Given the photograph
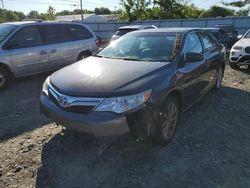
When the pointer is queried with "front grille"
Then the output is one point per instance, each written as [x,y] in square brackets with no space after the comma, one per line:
[79,109]
[247,49]
[234,58]
[79,104]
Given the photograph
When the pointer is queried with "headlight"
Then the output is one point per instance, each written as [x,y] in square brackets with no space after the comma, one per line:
[46,84]
[123,104]
[237,47]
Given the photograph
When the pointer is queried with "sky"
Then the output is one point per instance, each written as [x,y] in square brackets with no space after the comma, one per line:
[42,5]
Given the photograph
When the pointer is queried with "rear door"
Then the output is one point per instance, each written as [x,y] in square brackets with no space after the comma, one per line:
[27,51]
[61,47]
[83,38]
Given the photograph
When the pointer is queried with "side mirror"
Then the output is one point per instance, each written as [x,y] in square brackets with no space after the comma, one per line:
[239,36]
[194,57]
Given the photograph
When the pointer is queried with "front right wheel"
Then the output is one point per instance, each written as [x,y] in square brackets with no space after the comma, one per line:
[167,122]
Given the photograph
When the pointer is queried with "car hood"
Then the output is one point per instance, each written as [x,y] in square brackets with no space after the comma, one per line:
[244,42]
[99,77]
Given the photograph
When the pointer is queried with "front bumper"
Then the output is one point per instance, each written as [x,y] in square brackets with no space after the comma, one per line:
[101,124]
[239,57]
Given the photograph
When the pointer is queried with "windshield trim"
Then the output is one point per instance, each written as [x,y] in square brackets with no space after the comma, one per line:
[246,35]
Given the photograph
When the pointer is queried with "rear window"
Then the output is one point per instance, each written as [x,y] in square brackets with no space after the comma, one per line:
[121,32]
[79,32]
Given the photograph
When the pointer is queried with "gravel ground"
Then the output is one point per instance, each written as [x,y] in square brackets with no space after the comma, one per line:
[211,148]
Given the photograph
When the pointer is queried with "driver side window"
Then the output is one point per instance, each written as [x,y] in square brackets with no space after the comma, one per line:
[193,44]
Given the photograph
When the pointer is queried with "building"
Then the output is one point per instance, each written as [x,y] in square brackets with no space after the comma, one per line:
[86,18]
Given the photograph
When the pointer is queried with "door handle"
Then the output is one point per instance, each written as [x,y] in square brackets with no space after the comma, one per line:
[53,51]
[43,52]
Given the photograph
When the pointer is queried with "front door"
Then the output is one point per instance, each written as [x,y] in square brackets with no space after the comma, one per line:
[27,52]
[191,72]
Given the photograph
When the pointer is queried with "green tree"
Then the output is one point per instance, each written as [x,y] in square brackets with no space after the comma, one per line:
[169,8]
[140,7]
[127,13]
[50,14]
[10,16]
[102,11]
[21,16]
[216,11]
[33,15]
[244,5]
[64,12]
[238,4]
[190,11]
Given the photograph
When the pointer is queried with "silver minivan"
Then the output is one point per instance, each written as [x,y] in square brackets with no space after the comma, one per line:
[32,47]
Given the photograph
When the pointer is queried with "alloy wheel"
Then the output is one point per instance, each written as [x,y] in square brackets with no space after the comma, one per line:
[170,118]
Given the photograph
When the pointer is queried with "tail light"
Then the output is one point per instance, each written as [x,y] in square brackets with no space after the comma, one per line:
[98,43]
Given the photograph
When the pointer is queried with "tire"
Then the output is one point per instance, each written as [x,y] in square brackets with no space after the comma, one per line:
[167,122]
[234,66]
[219,77]
[4,78]
[84,55]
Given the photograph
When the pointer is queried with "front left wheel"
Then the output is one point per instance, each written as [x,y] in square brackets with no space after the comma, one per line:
[4,78]
[167,122]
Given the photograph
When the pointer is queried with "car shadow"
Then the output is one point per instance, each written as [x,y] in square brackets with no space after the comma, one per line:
[210,149]
[19,106]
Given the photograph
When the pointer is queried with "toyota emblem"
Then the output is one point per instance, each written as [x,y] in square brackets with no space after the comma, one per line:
[63,101]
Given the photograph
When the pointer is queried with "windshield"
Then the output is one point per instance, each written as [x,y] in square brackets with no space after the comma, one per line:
[5,30]
[247,36]
[215,34]
[122,32]
[161,48]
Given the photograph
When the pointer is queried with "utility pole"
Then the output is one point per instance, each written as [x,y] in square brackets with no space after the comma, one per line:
[2,4]
[81,9]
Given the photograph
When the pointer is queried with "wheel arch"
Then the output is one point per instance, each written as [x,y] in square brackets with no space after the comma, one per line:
[7,68]
[178,94]
[88,52]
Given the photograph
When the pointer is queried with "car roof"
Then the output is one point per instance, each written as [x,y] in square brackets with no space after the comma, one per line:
[212,29]
[22,23]
[169,29]
[136,26]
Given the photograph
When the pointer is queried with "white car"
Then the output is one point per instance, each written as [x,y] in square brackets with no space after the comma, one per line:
[240,52]
[126,29]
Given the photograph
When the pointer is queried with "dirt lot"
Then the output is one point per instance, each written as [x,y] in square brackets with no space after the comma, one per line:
[210,149]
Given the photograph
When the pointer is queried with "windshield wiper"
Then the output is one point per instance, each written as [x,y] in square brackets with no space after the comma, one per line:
[95,55]
[131,59]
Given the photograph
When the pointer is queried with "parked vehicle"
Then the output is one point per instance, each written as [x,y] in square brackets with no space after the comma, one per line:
[126,29]
[240,52]
[220,35]
[231,32]
[141,82]
[32,47]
